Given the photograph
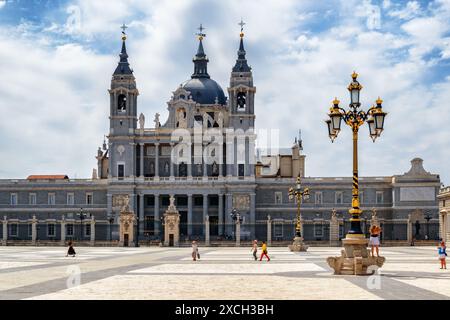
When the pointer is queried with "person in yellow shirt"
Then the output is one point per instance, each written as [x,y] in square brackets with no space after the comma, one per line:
[264,251]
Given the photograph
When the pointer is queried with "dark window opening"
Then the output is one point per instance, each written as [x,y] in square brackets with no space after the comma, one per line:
[122,103]
[121,171]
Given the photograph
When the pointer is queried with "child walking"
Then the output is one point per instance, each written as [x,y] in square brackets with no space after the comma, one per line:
[442,255]
[264,251]
[255,249]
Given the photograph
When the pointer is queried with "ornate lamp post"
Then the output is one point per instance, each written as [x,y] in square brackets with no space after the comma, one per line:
[355,243]
[82,216]
[299,194]
[428,218]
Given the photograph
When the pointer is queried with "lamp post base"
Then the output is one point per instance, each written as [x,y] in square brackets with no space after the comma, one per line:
[355,259]
[298,245]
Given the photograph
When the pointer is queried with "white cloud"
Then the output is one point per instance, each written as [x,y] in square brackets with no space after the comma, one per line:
[2,3]
[411,10]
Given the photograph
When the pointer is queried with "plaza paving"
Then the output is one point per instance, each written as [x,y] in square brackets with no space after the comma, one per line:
[222,273]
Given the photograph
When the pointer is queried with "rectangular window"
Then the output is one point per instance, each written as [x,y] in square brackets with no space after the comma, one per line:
[150,200]
[87,229]
[278,197]
[318,230]
[121,171]
[318,198]
[32,198]
[51,232]
[241,170]
[13,199]
[379,198]
[13,229]
[341,231]
[361,197]
[51,199]
[70,199]
[69,230]
[339,197]
[198,201]
[89,198]
[278,230]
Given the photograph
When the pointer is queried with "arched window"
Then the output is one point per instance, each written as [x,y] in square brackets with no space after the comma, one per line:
[122,103]
[241,101]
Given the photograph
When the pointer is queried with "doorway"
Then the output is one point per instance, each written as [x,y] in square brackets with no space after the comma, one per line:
[125,240]
[171,241]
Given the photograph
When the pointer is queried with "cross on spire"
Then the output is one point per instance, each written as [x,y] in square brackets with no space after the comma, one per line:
[123,27]
[242,23]
[200,34]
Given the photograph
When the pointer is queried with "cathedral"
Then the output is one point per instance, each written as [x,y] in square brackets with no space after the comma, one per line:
[203,160]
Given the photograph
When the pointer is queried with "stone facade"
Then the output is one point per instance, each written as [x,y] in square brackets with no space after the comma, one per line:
[444,214]
[146,164]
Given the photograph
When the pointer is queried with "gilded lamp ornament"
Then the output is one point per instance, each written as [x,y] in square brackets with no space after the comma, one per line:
[355,118]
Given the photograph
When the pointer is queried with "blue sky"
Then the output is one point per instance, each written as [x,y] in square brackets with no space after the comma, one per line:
[58,57]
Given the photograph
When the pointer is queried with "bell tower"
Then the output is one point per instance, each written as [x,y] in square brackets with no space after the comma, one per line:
[241,94]
[123,96]
[241,90]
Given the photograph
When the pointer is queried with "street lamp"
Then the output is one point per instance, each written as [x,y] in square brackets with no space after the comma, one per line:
[355,118]
[355,243]
[299,194]
[82,216]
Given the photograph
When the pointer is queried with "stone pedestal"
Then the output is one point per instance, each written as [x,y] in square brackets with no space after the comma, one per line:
[355,259]
[171,225]
[298,245]
[207,236]
[269,230]
[238,234]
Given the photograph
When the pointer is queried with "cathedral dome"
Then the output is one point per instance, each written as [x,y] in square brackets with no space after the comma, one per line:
[205,91]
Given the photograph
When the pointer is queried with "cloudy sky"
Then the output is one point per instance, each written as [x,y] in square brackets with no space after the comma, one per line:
[57,58]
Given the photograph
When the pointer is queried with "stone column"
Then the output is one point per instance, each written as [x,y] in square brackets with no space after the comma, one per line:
[33,230]
[172,177]
[205,210]
[156,214]
[157,161]
[220,220]
[252,215]
[205,166]
[92,230]
[5,230]
[269,230]
[409,230]
[189,216]
[141,173]
[109,214]
[334,229]
[141,213]
[189,164]
[207,231]
[63,230]
[238,233]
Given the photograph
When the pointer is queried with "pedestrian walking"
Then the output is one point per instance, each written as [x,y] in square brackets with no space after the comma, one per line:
[195,253]
[374,239]
[442,255]
[255,249]
[264,251]
[71,250]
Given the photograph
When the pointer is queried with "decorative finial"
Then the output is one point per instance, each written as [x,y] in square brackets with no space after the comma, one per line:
[354,75]
[379,101]
[242,23]
[200,34]
[124,35]
[335,101]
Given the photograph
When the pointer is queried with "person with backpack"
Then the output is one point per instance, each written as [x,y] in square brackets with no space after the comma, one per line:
[71,250]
